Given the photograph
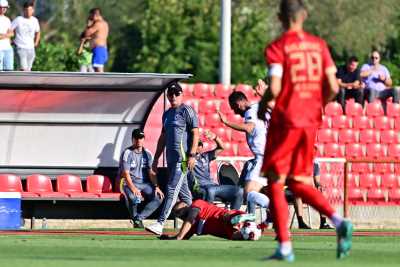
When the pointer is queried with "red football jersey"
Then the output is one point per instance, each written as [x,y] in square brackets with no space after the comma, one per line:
[212,219]
[305,60]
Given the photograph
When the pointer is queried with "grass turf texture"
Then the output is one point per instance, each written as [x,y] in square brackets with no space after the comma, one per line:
[98,251]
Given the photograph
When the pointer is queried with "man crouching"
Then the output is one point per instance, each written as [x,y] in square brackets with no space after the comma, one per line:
[203,218]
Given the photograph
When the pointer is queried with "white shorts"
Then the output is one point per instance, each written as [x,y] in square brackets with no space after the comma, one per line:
[251,171]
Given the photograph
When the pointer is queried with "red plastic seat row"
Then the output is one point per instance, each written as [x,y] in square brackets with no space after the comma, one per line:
[354,109]
[67,186]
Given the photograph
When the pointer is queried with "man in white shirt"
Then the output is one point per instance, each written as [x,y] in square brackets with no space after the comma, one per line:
[27,36]
[6,51]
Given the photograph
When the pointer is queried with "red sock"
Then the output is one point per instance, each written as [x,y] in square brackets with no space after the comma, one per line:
[311,196]
[280,211]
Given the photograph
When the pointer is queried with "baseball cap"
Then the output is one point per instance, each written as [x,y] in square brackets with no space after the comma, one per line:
[4,3]
[174,88]
[137,134]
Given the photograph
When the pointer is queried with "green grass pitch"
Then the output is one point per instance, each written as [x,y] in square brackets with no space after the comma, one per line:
[142,251]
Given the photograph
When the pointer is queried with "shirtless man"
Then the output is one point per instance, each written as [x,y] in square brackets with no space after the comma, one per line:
[97,33]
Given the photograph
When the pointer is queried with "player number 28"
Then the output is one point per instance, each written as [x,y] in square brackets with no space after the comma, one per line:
[306,66]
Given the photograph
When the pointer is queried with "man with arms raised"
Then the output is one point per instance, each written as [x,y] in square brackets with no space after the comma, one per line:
[97,32]
[303,78]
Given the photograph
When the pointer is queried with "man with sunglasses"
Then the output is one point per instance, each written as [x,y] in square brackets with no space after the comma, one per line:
[378,81]
[179,137]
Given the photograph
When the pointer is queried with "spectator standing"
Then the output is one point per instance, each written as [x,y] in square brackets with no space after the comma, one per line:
[201,175]
[97,32]
[6,32]
[138,182]
[377,80]
[179,137]
[297,87]
[27,36]
[85,56]
[349,80]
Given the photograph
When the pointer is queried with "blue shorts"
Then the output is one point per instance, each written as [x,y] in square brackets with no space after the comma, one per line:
[100,56]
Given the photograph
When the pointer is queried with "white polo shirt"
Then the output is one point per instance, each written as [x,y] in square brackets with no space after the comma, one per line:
[5,25]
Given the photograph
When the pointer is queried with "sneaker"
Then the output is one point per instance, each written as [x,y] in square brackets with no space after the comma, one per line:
[325,226]
[243,218]
[344,235]
[280,257]
[303,225]
[156,228]
[138,223]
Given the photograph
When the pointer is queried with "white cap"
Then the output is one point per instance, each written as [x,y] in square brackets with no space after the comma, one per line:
[3,3]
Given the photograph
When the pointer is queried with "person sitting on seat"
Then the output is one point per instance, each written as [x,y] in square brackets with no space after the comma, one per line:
[138,182]
[201,179]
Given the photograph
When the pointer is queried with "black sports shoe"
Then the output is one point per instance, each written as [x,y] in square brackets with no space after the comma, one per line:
[138,224]
[325,226]
[303,225]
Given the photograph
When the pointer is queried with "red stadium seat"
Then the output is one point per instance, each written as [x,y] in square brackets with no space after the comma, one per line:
[327,180]
[374,109]
[354,109]
[362,122]
[222,91]
[202,90]
[394,195]
[368,136]
[41,185]
[224,133]
[382,123]
[326,122]
[238,136]
[12,183]
[368,180]
[101,186]
[327,136]
[376,196]
[383,167]
[352,180]
[393,110]
[394,151]
[235,118]
[212,120]
[390,180]
[319,150]
[397,123]
[389,137]
[333,150]
[333,109]
[341,122]
[376,151]
[226,108]
[361,167]
[355,195]
[207,106]
[72,186]
[230,150]
[187,90]
[354,150]
[348,136]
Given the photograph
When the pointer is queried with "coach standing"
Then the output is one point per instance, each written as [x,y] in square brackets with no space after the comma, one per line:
[180,136]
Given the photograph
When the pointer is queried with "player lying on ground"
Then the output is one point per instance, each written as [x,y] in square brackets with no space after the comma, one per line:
[203,218]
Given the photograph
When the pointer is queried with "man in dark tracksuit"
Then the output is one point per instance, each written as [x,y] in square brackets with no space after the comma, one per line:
[180,136]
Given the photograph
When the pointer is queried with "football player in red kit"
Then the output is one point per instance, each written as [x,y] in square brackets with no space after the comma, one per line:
[302,80]
[203,218]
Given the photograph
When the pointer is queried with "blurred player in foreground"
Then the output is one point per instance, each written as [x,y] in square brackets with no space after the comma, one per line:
[302,77]
[203,218]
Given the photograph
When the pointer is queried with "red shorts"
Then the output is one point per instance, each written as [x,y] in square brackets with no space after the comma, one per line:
[289,151]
